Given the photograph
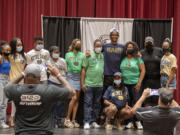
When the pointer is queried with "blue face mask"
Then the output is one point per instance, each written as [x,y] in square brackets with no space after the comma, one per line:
[19,48]
[39,46]
[117,82]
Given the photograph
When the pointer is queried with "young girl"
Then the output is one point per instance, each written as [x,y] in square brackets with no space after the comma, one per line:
[60,63]
[74,60]
[18,61]
[116,101]
[4,78]
[168,67]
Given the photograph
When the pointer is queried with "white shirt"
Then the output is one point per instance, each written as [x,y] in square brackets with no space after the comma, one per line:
[39,57]
[62,67]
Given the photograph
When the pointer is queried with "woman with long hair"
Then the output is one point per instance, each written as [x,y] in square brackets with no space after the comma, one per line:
[17,60]
[74,60]
[4,79]
[168,67]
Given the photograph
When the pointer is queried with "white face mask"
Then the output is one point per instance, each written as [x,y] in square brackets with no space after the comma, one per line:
[19,48]
[55,55]
[39,46]
[117,82]
[98,49]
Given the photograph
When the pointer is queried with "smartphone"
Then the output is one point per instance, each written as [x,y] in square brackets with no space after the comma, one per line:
[154,92]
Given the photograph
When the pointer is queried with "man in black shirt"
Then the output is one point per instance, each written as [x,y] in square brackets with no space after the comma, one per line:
[161,119]
[151,56]
[34,101]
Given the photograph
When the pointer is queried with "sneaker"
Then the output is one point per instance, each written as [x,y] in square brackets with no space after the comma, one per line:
[76,125]
[95,125]
[109,126]
[4,125]
[68,124]
[130,125]
[86,126]
[139,125]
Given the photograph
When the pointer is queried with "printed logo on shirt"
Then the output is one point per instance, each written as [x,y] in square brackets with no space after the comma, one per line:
[30,100]
[74,59]
[114,50]
[164,63]
[39,57]
[76,63]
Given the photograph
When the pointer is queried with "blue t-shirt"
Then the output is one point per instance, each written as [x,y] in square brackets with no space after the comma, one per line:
[112,58]
[116,96]
[5,67]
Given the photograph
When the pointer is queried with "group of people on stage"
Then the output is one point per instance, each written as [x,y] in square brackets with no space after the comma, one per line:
[112,77]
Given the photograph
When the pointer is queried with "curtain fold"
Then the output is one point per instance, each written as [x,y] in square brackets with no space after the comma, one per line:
[158,29]
[60,31]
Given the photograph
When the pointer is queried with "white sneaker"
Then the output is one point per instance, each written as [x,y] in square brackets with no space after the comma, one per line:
[130,125]
[4,125]
[95,125]
[139,125]
[86,126]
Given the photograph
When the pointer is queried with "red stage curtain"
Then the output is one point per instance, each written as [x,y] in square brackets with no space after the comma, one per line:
[22,18]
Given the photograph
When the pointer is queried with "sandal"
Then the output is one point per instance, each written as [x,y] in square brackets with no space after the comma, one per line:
[76,125]
[109,126]
[68,124]
[11,121]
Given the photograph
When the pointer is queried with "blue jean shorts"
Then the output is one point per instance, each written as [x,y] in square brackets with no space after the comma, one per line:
[75,80]
[164,80]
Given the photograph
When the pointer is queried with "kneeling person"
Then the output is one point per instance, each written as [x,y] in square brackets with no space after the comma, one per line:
[116,99]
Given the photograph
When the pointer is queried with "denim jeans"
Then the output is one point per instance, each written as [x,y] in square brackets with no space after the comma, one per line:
[92,104]
[61,107]
[164,80]
[3,98]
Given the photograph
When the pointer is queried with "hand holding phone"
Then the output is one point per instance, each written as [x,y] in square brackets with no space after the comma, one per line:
[154,92]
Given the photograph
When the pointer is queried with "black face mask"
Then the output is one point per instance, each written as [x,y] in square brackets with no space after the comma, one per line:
[149,48]
[165,50]
[78,48]
[6,54]
[130,51]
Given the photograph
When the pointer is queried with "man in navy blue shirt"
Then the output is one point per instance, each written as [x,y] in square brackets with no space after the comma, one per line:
[112,59]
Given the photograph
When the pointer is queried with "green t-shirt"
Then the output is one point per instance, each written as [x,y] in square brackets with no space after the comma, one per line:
[130,70]
[94,70]
[74,61]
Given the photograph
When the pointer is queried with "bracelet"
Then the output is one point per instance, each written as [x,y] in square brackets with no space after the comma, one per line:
[58,75]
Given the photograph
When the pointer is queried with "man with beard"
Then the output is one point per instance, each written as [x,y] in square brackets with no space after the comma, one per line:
[151,56]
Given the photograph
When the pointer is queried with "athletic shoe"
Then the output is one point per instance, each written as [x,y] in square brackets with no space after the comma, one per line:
[95,125]
[86,126]
[4,125]
[139,125]
[130,125]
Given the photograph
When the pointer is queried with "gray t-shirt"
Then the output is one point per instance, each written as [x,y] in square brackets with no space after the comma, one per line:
[34,107]
[157,120]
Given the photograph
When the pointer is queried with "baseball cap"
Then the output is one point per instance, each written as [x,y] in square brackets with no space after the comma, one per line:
[165,96]
[114,30]
[34,69]
[118,74]
[149,39]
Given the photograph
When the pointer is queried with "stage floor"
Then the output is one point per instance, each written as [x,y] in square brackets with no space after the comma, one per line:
[81,131]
